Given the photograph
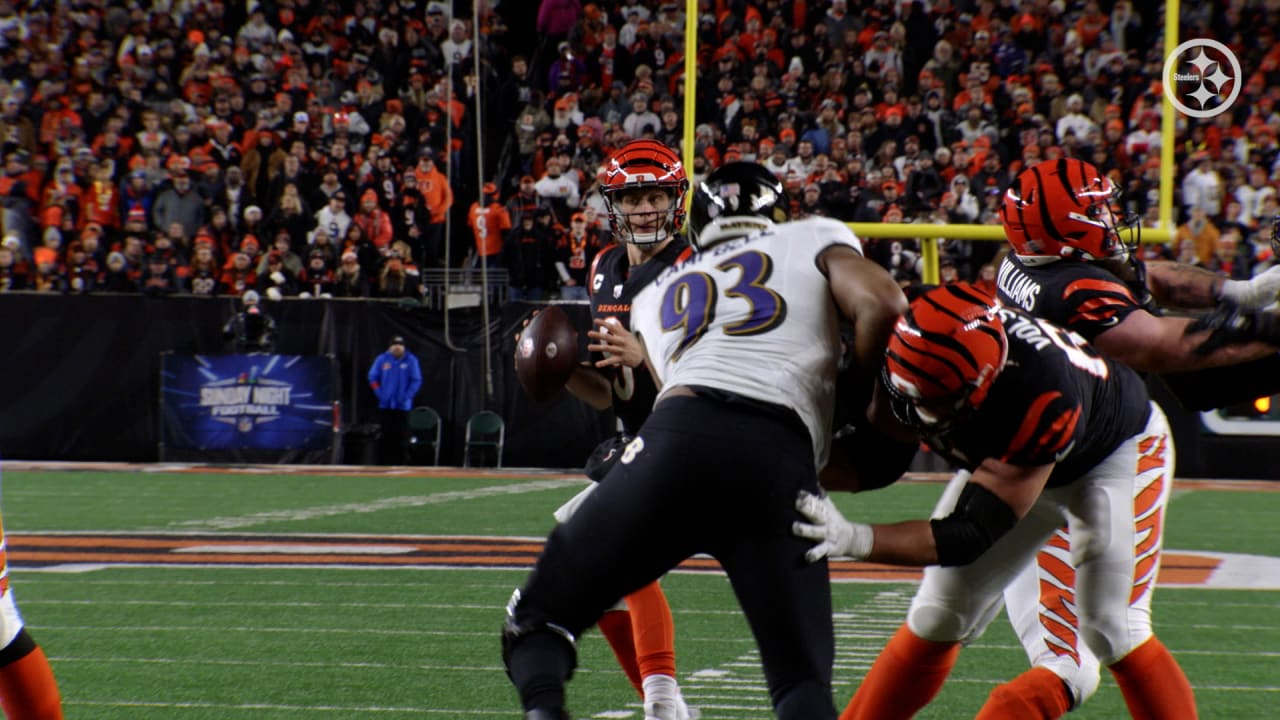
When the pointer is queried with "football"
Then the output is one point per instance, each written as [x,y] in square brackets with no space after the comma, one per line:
[546,353]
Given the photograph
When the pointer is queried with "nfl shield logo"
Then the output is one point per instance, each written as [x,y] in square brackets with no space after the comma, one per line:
[617,291]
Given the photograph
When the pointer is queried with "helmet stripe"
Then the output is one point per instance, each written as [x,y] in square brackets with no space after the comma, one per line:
[1046,213]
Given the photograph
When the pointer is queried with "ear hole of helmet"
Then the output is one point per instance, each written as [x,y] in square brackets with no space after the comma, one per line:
[932,418]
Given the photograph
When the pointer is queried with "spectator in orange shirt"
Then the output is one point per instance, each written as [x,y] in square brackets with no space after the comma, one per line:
[374,221]
[101,203]
[435,189]
[489,223]
[1202,234]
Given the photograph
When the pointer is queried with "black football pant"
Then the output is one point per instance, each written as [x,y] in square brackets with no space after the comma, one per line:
[393,440]
[713,476]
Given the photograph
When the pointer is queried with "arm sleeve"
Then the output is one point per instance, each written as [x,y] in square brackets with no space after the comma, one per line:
[415,379]
[375,373]
[1096,304]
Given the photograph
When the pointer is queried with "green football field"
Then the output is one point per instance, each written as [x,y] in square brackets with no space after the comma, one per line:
[277,594]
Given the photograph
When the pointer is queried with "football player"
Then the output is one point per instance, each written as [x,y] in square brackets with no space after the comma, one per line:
[28,690]
[1051,432]
[743,341]
[1070,267]
[645,189]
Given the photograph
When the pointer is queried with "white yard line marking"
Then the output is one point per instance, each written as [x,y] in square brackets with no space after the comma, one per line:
[392,503]
[738,686]
[283,549]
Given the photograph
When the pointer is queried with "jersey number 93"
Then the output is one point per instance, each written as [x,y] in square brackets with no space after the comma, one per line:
[690,303]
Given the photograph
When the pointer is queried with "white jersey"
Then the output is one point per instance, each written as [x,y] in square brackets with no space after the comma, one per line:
[753,316]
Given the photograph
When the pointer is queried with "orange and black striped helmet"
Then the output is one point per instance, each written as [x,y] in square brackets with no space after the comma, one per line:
[1063,208]
[944,356]
[645,164]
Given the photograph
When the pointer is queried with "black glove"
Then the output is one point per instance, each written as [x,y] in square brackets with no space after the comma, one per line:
[1230,325]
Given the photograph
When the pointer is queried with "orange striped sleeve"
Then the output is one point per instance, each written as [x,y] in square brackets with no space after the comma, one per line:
[1097,301]
[1048,428]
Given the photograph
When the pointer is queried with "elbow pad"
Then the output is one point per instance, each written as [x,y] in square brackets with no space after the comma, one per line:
[977,522]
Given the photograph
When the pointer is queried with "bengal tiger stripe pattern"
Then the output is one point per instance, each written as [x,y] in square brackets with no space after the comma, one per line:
[1062,208]
[944,355]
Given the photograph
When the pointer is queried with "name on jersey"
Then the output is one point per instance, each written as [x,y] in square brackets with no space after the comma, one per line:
[1025,329]
[722,248]
[616,308]
[1019,288]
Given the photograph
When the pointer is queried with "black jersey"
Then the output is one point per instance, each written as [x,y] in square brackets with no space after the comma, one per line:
[614,283]
[1088,300]
[1079,296]
[1056,401]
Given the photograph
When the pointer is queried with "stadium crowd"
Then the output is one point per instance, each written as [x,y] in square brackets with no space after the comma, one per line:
[310,148]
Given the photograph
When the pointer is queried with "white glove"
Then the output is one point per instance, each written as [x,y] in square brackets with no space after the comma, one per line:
[274,293]
[1255,293]
[836,536]
[277,277]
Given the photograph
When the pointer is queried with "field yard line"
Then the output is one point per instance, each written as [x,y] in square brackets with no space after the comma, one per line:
[392,503]
[284,708]
[299,630]
[1262,485]
[741,680]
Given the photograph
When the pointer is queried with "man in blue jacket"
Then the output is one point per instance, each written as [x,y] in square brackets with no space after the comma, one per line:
[395,378]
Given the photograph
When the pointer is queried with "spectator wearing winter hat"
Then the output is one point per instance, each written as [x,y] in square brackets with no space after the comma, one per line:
[135,196]
[559,187]
[275,280]
[281,243]
[251,247]
[160,277]
[46,275]
[317,279]
[261,163]
[238,275]
[526,200]
[395,280]
[253,223]
[350,280]
[374,221]
[203,274]
[641,119]
[115,277]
